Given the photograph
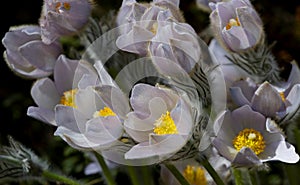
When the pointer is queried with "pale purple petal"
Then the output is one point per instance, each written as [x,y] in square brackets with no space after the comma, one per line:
[42,114]
[266,100]
[64,74]
[44,94]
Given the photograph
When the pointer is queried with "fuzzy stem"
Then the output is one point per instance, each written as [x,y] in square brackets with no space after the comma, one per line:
[59,178]
[108,176]
[177,174]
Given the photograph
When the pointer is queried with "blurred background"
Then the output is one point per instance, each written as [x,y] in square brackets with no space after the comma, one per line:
[282,25]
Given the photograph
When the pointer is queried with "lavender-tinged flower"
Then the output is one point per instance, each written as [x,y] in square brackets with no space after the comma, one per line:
[269,100]
[27,55]
[47,93]
[175,41]
[96,121]
[160,123]
[138,23]
[92,117]
[244,137]
[63,17]
[236,25]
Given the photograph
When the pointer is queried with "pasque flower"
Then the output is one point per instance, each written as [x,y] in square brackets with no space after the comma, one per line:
[177,42]
[244,137]
[138,23]
[96,121]
[271,101]
[236,25]
[63,17]
[161,122]
[27,55]
[47,93]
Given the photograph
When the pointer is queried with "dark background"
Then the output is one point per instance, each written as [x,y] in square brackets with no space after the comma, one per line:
[282,24]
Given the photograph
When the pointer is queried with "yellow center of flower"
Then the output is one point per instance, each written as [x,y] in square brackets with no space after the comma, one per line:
[67,6]
[68,98]
[233,22]
[249,138]
[154,28]
[165,125]
[106,111]
[195,175]
[282,96]
[59,5]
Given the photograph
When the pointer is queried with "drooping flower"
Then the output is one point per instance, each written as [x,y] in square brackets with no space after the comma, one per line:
[63,17]
[244,137]
[27,55]
[160,123]
[236,25]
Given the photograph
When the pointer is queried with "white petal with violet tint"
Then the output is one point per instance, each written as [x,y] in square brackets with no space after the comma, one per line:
[74,139]
[64,71]
[236,38]
[70,118]
[266,100]
[285,152]
[246,157]
[139,128]
[44,57]
[104,130]
[88,101]
[42,114]
[44,93]
[115,99]
[166,147]
[238,96]
[182,117]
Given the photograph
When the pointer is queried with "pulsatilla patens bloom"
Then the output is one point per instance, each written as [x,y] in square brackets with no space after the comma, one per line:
[63,17]
[244,137]
[160,123]
[236,25]
[27,55]
[47,93]
[138,23]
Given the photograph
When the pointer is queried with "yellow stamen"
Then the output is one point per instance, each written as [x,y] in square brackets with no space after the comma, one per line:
[154,28]
[106,111]
[249,138]
[195,175]
[282,96]
[165,125]
[68,98]
[67,6]
[57,6]
[233,22]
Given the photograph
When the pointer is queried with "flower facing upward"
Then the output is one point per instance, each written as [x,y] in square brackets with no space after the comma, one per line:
[236,25]
[63,17]
[160,123]
[244,138]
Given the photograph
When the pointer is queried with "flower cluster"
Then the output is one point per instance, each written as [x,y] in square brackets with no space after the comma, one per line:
[159,112]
